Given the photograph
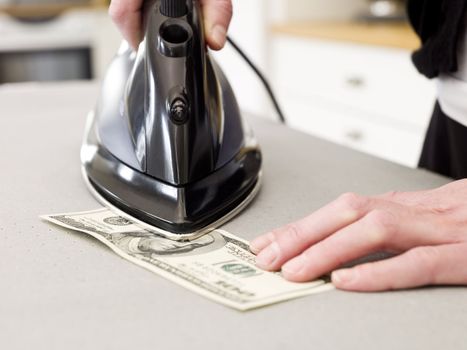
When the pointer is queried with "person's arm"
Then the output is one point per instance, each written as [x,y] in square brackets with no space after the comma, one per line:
[217,15]
[427,230]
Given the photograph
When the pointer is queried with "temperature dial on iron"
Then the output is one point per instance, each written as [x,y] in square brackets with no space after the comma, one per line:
[179,110]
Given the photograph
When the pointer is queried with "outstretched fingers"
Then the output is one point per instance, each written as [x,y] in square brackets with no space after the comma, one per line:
[370,234]
[445,264]
[278,246]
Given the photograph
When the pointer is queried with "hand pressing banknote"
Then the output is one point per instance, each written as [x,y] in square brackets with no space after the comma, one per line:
[217,265]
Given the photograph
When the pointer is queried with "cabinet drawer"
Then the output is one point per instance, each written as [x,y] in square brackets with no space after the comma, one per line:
[377,80]
[346,127]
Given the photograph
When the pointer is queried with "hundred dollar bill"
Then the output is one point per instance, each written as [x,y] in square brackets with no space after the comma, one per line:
[217,265]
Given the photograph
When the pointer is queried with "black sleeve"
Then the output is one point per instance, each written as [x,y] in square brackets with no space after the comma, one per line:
[438,23]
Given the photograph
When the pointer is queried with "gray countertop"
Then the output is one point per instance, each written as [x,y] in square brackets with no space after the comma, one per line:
[63,290]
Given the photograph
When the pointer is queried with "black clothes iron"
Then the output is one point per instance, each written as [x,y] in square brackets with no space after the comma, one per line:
[166,144]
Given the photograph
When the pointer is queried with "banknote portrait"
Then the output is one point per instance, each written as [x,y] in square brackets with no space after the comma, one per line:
[150,244]
[218,265]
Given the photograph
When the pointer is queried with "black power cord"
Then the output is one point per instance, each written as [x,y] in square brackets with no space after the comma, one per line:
[261,77]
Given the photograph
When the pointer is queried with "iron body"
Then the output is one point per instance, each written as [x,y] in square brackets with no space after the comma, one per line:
[166,144]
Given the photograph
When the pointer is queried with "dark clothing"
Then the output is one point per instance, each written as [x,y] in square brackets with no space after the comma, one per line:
[439,24]
[445,147]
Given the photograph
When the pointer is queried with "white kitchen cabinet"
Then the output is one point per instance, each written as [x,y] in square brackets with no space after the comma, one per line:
[352,128]
[366,97]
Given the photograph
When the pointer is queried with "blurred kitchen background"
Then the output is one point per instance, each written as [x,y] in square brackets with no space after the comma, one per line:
[341,68]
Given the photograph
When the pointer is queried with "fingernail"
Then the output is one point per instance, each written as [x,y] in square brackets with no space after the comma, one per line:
[343,276]
[259,243]
[267,256]
[218,35]
[293,266]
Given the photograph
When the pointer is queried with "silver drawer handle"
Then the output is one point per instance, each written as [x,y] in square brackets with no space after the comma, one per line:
[356,82]
[354,135]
